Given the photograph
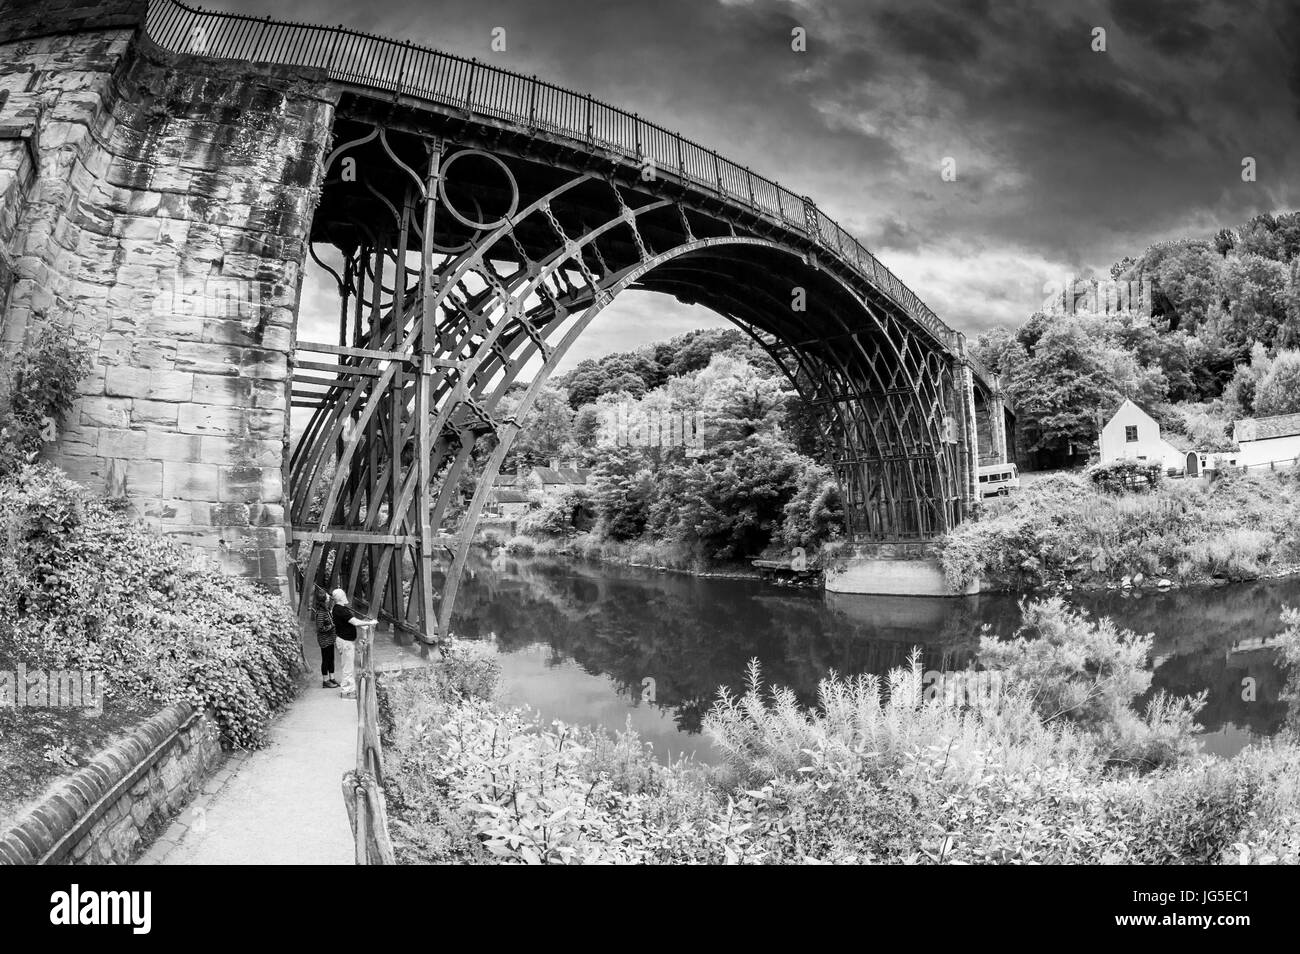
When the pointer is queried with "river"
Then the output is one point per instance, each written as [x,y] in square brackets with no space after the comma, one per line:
[612,646]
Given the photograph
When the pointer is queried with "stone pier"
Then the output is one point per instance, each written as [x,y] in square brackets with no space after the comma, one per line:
[162,206]
[892,569]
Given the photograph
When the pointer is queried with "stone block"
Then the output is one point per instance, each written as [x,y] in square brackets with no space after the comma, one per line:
[245,452]
[144,479]
[229,514]
[105,411]
[229,421]
[211,359]
[87,471]
[125,381]
[79,439]
[251,485]
[116,442]
[190,481]
[149,412]
[170,385]
[222,390]
[139,229]
[164,446]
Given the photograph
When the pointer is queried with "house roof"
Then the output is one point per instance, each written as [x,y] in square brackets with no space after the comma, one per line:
[562,475]
[1264,428]
[1116,408]
[507,495]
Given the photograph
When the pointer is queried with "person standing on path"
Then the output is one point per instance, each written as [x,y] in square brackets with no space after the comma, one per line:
[345,626]
[325,637]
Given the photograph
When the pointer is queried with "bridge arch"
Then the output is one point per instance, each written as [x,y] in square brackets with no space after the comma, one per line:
[478,215]
[442,314]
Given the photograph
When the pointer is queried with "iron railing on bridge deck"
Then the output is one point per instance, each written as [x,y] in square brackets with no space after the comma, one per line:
[365,60]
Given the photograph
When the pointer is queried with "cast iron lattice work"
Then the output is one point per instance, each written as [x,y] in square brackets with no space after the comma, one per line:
[477,244]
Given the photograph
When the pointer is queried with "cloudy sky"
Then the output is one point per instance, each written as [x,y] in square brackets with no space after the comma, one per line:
[1066,159]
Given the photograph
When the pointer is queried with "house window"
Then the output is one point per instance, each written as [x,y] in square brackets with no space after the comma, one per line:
[1131,434]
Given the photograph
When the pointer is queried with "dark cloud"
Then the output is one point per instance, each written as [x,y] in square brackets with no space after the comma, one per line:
[1170,26]
[946,37]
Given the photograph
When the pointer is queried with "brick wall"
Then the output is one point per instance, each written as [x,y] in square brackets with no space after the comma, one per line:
[168,221]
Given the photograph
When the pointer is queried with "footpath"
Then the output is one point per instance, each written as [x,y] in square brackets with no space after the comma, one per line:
[282,804]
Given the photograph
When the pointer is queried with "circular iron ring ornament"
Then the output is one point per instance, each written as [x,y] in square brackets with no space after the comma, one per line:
[467,245]
[442,190]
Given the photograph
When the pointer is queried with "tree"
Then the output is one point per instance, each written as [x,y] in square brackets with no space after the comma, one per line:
[735,399]
[584,383]
[38,385]
[999,350]
[1185,276]
[561,516]
[622,492]
[586,427]
[730,501]
[1059,391]
[1255,289]
[815,514]
[548,426]
[1239,395]
[1278,391]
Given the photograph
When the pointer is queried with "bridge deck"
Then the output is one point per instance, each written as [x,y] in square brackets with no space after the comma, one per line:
[399,69]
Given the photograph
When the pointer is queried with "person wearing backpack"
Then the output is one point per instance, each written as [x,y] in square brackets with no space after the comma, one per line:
[325,638]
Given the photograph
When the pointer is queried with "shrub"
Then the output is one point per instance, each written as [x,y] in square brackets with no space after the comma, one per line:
[558,517]
[91,590]
[1288,648]
[1089,673]
[815,514]
[874,774]
[38,384]
[1119,476]
[1064,529]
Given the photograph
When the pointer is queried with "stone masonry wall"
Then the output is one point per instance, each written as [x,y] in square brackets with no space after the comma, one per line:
[168,220]
[25,19]
[109,811]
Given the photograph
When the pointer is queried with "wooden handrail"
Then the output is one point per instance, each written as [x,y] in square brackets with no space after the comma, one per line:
[363,786]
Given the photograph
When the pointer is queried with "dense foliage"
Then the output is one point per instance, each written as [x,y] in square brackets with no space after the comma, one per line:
[89,589]
[742,487]
[876,773]
[1064,529]
[1214,339]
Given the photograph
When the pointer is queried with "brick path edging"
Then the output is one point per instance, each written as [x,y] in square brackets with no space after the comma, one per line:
[107,812]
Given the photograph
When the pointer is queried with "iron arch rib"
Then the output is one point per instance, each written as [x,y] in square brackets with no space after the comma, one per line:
[441,317]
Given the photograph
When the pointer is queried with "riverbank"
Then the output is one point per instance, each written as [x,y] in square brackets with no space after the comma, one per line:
[642,554]
[1064,534]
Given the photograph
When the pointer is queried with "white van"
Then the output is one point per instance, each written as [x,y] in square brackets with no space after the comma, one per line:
[997,480]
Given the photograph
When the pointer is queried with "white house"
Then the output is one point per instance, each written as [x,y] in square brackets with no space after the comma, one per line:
[1133,434]
[1266,441]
